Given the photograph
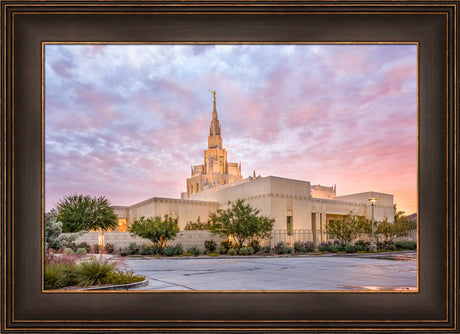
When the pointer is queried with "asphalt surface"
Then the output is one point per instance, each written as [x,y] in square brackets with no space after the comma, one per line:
[337,272]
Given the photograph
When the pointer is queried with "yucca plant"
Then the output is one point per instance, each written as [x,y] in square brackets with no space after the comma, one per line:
[93,272]
[195,251]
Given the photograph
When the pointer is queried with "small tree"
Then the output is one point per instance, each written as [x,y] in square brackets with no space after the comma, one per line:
[346,229]
[242,222]
[52,230]
[403,225]
[156,229]
[85,213]
[386,233]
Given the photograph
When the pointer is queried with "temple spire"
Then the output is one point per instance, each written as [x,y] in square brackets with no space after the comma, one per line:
[214,139]
[214,110]
[215,171]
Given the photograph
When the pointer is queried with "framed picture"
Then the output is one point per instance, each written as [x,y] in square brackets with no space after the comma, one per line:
[123,123]
[29,27]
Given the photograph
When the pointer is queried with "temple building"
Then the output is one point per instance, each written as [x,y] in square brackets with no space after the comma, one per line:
[301,210]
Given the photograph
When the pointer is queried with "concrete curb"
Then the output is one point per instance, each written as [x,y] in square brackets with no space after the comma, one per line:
[120,286]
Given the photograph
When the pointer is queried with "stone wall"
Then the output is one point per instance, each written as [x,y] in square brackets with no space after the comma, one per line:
[187,239]
[119,239]
[195,238]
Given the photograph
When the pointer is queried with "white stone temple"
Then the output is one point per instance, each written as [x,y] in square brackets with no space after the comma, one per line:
[301,210]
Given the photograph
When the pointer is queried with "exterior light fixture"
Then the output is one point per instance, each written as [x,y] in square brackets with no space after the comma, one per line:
[372,246]
[101,238]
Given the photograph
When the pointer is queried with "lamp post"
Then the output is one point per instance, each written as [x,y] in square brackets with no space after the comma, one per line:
[372,246]
[101,238]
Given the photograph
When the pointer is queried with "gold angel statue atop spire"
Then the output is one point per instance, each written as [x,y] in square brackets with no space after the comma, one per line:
[213,92]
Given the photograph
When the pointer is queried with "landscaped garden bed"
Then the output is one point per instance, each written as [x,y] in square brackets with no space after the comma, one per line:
[228,249]
[70,271]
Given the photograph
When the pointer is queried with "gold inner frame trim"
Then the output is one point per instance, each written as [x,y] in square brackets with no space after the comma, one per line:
[232,43]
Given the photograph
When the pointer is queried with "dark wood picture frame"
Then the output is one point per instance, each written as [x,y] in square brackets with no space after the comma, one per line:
[26,25]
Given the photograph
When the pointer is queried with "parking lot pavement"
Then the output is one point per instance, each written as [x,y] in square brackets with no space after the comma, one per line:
[357,272]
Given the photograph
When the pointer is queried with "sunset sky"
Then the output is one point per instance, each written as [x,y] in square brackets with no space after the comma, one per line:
[128,121]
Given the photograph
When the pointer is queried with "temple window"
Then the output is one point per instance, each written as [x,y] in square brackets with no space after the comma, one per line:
[191,188]
[197,187]
[289,225]
[122,225]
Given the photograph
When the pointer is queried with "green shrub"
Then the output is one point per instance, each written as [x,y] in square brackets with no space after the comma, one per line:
[68,251]
[298,246]
[410,245]
[340,246]
[58,275]
[84,245]
[109,248]
[178,250]
[266,249]
[133,248]
[222,250]
[54,277]
[309,246]
[391,247]
[195,251]
[324,246]
[172,250]
[246,251]
[350,249]
[81,251]
[335,248]
[227,244]
[167,251]
[92,272]
[255,244]
[243,251]
[232,251]
[210,246]
[122,277]
[305,247]
[149,250]
[385,245]
[281,248]
[362,246]
[72,245]
[96,248]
